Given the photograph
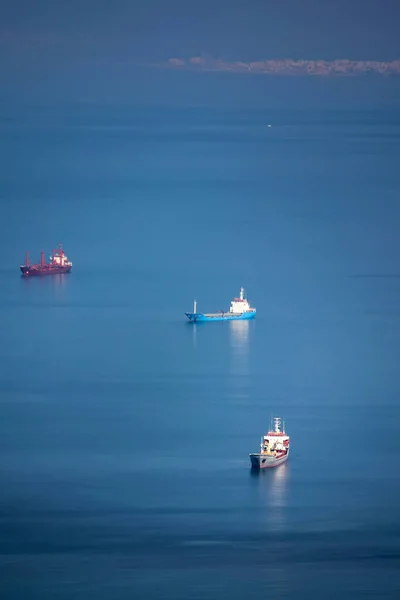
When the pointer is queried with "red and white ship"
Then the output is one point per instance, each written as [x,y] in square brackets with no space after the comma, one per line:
[59,263]
[274,448]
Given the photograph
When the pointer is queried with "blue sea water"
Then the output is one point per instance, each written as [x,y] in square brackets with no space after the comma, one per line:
[125,431]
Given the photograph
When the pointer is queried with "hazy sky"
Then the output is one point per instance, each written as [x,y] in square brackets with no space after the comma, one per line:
[92,49]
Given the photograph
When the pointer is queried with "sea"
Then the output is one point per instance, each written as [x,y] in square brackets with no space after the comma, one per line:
[125,431]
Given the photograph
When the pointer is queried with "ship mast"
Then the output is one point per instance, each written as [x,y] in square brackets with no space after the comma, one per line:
[27,259]
[194,306]
[42,259]
[241,293]
[277,423]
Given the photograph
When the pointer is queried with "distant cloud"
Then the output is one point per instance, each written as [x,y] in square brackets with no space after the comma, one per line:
[198,60]
[175,62]
[286,66]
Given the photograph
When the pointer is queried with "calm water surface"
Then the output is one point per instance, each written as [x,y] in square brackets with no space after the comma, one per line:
[125,431]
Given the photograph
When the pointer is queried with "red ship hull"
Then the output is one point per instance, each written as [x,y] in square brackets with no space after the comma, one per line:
[45,270]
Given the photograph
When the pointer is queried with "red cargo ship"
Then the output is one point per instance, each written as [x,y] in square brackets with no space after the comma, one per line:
[59,263]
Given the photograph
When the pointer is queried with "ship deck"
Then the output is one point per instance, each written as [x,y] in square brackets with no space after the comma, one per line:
[222,314]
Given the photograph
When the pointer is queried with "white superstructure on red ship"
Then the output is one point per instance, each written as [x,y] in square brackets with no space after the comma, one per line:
[59,258]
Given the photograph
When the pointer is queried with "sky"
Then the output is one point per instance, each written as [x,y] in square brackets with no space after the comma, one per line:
[258,52]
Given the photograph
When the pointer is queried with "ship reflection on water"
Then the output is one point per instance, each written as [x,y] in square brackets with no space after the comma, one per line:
[239,364]
[239,342]
[54,280]
[194,336]
[60,280]
[273,494]
[54,287]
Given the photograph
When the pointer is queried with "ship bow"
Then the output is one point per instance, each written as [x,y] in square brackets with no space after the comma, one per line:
[255,461]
